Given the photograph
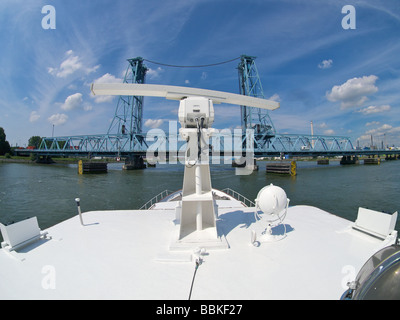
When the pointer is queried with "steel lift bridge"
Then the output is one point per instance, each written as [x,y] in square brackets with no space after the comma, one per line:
[266,140]
[125,137]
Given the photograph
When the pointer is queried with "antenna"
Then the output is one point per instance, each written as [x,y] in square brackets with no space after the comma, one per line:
[179,93]
[198,208]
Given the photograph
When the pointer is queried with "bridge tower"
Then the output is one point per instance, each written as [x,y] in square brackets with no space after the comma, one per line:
[250,85]
[129,112]
[128,118]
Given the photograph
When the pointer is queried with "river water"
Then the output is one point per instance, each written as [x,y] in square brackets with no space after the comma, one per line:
[48,191]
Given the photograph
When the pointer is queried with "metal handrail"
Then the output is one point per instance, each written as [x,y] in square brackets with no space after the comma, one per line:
[149,204]
[239,197]
[156,199]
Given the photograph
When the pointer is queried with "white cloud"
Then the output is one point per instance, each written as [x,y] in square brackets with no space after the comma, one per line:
[386,133]
[67,67]
[150,123]
[34,116]
[153,74]
[374,109]
[102,99]
[70,65]
[325,64]
[379,131]
[58,119]
[275,97]
[353,92]
[372,123]
[386,127]
[108,78]
[329,132]
[52,71]
[92,69]
[87,107]
[72,102]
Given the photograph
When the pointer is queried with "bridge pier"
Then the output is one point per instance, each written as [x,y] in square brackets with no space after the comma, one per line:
[349,160]
[372,160]
[391,157]
[134,163]
[323,161]
[44,159]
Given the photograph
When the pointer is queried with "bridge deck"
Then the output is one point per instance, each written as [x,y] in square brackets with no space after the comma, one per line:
[223,143]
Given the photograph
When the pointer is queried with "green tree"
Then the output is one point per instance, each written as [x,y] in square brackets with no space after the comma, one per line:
[4,145]
[34,141]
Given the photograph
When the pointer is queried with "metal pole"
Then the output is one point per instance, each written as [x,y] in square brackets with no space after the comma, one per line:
[79,210]
[199,212]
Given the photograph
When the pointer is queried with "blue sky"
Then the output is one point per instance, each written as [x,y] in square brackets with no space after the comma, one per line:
[346,81]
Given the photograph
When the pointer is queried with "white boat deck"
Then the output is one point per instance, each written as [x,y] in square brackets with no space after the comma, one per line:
[125,255]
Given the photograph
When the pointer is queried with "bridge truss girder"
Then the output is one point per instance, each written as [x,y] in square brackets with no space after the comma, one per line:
[112,144]
[221,143]
[287,143]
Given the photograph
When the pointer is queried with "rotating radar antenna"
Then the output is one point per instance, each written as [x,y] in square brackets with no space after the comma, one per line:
[271,207]
[197,211]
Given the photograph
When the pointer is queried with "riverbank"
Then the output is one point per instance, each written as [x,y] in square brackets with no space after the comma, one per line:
[17,159]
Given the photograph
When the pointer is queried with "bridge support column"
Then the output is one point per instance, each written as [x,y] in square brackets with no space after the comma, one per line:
[349,160]
[323,161]
[390,157]
[372,160]
[44,159]
[134,163]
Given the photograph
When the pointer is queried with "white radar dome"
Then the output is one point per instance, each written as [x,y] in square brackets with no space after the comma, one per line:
[271,200]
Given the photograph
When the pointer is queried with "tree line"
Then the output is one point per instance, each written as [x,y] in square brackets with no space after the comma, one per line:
[5,147]
[4,144]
